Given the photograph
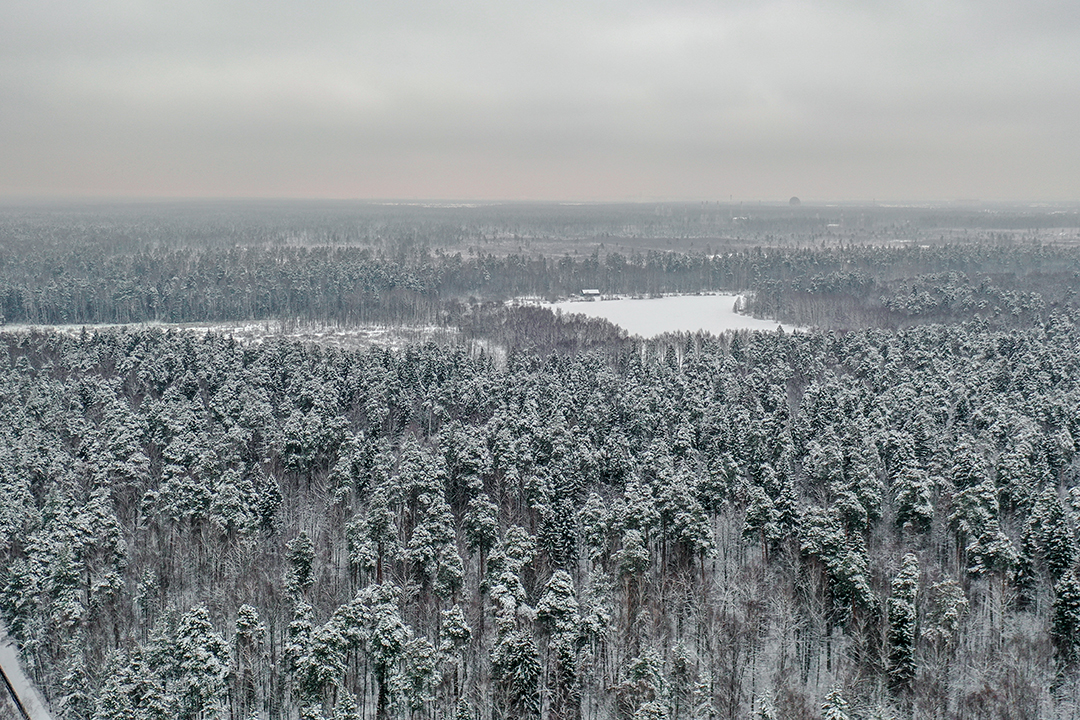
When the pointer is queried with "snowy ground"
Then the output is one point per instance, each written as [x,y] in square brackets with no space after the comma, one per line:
[28,695]
[649,317]
[351,337]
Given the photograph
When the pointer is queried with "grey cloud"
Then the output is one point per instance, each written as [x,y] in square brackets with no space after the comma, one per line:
[554,99]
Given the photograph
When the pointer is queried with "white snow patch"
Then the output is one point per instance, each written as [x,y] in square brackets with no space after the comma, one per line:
[28,694]
[394,337]
[649,317]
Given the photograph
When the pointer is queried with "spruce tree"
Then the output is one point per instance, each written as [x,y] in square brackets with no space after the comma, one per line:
[1065,623]
[1055,537]
[515,667]
[835,706]
[1026,577]
[767,708]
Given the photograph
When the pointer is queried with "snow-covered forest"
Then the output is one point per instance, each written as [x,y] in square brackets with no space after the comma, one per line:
[874,524]
[369,264]
[539,516]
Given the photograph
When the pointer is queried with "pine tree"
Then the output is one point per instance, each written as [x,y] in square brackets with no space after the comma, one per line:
[432,548]
[843,559]
[301,556]
[685,523]
[387,636]
[651,710]
[297,657]
[762,519]
[864,478]
[454,631]
[505,586]
[481,524]
[373,538]
[641,685]
[949,605]
[632,560]
[902,622]
[718,487]
[595,520]
[969,468]
[1016,476]
[200,666]
[347,708]
[558,613]
[231,508]
[557,609]
[454,636]
[914,499]
[420,661]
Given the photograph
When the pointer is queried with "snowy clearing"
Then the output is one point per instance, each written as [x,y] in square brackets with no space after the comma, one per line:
[346,337]
[675,313]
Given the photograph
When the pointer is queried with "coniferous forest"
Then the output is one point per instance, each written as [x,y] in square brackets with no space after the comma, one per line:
[846,522]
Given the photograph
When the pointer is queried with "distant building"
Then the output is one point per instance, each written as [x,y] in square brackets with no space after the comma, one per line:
[590,293]
[794,202]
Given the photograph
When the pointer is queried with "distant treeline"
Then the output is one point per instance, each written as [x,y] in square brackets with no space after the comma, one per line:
[1006,284]
[345,285]
[393,227]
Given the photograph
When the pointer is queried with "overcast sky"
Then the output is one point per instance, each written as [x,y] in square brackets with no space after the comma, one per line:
[541,99]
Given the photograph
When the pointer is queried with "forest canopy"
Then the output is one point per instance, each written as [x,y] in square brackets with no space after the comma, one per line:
[539,516]
[691,527]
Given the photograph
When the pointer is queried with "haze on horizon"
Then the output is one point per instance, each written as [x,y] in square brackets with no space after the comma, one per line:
[487,99]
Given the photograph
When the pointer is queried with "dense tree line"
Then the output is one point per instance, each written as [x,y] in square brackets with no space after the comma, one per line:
[360,263]
[872,524]
[1006,284]
[400,227]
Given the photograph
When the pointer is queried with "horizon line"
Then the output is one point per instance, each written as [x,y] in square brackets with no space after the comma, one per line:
[451,202]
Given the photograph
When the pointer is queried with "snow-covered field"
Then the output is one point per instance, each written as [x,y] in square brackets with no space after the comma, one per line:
[352,337]
[676,313]
[639,316]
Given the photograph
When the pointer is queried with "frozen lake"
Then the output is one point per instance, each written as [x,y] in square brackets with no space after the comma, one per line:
[677,313]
